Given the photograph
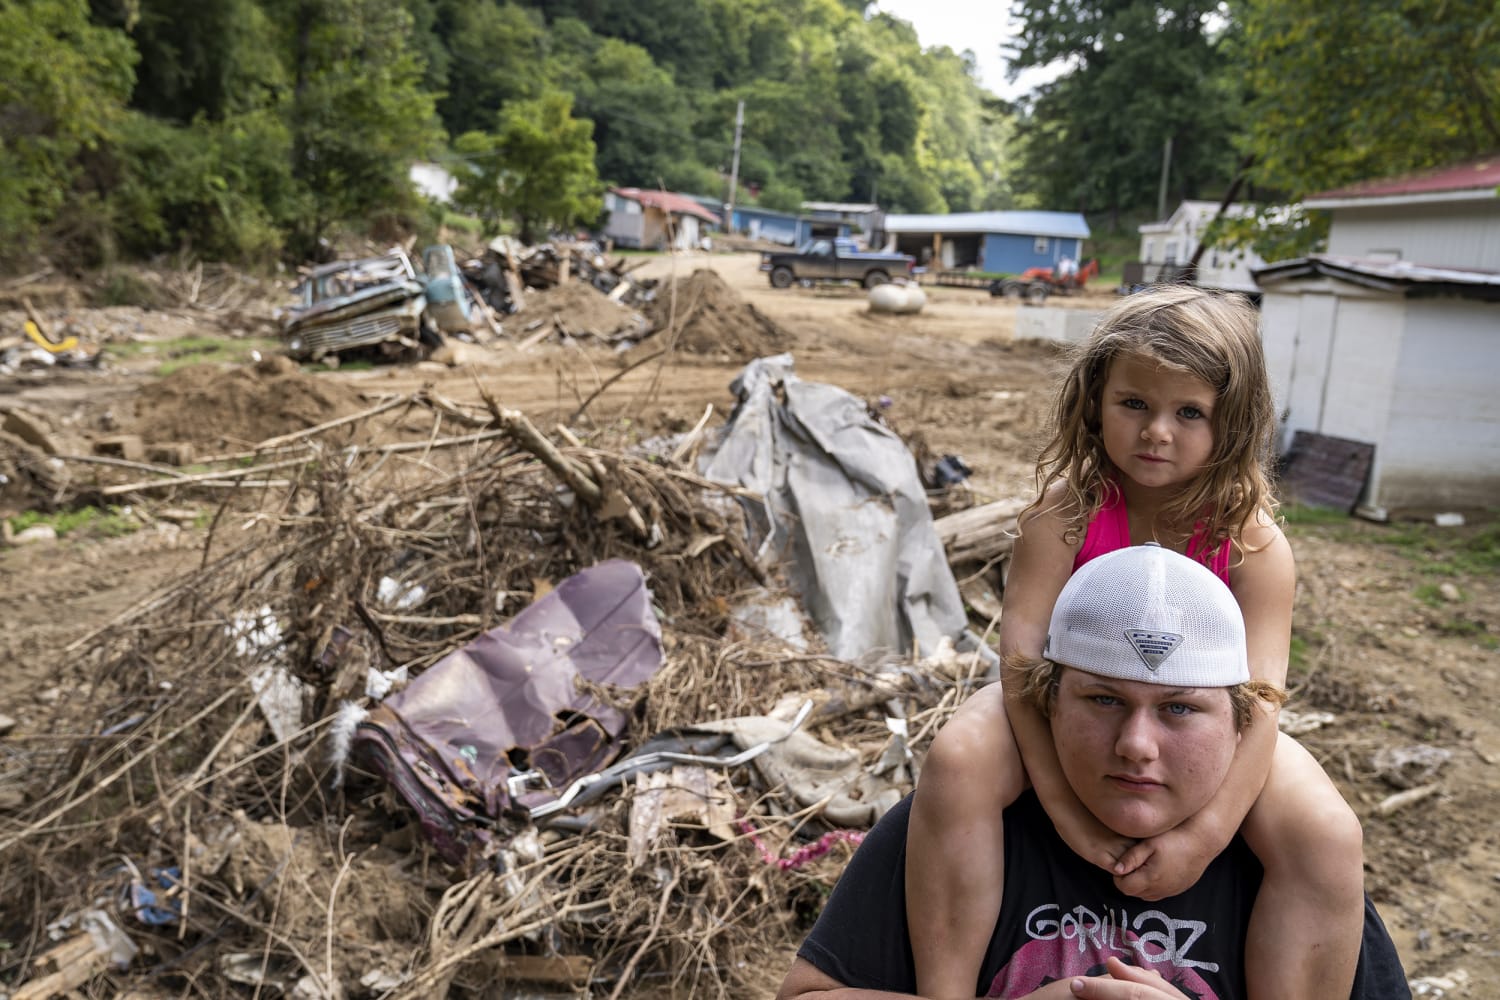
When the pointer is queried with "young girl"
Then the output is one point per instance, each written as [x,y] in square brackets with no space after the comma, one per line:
[1162,432]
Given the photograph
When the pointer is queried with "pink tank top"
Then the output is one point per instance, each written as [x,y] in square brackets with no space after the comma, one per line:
[1110,530]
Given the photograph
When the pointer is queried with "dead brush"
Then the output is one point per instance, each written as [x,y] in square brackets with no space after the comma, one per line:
[161,771]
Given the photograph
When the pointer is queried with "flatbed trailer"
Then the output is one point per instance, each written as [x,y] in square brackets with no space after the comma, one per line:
[958,279]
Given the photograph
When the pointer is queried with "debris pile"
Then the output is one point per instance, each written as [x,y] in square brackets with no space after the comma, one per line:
[701,314]
[40,346]
[578,310]
[505,268]
[246,794]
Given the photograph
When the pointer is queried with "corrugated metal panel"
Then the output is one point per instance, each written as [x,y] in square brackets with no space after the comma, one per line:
[1466,236]
[1441,448]
[1061,224]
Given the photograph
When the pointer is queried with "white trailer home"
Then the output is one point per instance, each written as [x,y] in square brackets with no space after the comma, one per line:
[1392,337]
[1171,244]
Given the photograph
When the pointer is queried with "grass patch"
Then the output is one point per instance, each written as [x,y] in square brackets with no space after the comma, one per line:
[92,522]
[1445,556]
[1464,628]
[1480,553]
[185,351]
[1438,553]
[1304,514]
[466,224]
[1431,595]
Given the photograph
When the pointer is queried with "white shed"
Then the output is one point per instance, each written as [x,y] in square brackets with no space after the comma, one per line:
[655,220]
[1393,337]
[1172,244]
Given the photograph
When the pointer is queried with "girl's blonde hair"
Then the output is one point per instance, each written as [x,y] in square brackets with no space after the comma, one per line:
[1212,336]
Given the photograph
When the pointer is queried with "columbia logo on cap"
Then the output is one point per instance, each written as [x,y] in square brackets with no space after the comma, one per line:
[1152,647]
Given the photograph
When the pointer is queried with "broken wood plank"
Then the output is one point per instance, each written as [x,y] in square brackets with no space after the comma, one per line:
[1392,804]
[980,534]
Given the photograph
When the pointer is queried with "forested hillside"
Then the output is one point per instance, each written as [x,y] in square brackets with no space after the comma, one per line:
[240,129]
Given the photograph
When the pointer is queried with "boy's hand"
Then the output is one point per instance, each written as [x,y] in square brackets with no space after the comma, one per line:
[1125,982]
[1165,865]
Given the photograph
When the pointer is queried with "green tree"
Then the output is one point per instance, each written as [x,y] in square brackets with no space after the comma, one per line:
[198,58]
[678,34]
[1417,85]
[1142,73]
[63,87]
[1344,91]
[536,169]
[642,121]
[222,189]
[358,115]
[497,53]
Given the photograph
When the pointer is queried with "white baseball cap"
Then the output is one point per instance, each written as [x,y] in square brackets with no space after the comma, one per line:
[1145,613]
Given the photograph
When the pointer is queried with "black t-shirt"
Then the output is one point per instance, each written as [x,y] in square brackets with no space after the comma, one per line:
[1062,917]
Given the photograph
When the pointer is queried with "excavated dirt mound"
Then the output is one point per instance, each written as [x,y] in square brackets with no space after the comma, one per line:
[214,408]
[711,318]
[582,308]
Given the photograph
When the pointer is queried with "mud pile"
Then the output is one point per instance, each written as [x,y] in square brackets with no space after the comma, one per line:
[709,317]
[581,308]
[239,407]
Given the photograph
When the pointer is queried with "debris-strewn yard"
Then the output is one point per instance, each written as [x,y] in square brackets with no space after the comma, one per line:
[215,573]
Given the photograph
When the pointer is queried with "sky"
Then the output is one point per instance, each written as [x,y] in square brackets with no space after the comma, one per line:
[980,26]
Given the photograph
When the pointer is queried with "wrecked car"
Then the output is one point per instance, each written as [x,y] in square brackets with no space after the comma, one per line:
[384,304]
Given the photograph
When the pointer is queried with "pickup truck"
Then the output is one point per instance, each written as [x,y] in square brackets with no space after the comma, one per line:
[383,305]
[834,260]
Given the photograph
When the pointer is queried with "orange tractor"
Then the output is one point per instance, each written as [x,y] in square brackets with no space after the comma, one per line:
[1036,283]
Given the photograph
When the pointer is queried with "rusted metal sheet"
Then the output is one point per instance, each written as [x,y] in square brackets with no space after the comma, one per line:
[1325,471]
[507,721]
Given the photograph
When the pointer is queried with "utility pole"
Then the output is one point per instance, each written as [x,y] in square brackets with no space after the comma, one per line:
[1166,169]
[734,169]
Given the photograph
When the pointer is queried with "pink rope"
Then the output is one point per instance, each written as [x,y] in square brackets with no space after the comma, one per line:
[801,855]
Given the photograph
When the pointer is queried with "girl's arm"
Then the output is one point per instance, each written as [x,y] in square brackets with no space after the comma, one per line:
[1264,584]
[1041,562]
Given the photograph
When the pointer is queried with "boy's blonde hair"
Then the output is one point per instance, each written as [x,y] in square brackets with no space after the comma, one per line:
[1212,336]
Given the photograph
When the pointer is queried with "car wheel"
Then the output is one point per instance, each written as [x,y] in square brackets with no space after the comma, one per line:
[1012,289]
[876,278]
[1037,293]
[782,277]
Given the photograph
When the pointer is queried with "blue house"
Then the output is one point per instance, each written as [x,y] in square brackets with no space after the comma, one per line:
[784,227]
[995,242]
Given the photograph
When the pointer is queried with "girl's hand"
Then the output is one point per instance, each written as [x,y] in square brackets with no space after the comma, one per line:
[1090,839]
[1165,865]
[1125,982]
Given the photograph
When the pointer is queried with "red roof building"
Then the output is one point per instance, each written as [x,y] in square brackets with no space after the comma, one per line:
[654,219]
[1459,182]
[667,201]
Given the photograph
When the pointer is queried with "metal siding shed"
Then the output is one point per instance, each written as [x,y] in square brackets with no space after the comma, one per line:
[1395,354]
